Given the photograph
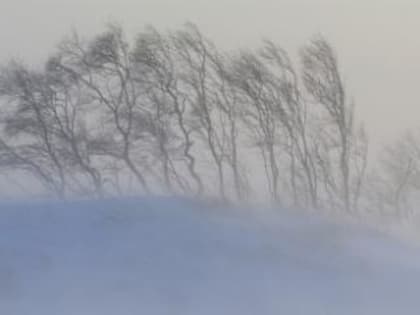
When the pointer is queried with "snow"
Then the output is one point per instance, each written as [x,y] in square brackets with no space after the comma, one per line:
[173,256]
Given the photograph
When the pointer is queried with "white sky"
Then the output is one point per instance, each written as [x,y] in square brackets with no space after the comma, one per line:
[377,40]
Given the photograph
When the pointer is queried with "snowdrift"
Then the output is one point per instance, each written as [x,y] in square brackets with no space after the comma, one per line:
[170,256]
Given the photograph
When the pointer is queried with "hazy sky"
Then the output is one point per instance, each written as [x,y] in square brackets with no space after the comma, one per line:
[377,40]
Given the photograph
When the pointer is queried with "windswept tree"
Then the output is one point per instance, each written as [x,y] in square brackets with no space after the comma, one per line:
[231,110]
[299,124]
[253,80]
[28,142]
[46,132]
[154,58]
[103,66]
[195,53]
[324,83]
[398,177]
[67,104]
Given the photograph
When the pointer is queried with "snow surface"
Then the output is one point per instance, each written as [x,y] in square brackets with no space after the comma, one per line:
[170,256]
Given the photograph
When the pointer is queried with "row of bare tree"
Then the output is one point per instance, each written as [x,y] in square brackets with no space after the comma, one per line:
[170,113]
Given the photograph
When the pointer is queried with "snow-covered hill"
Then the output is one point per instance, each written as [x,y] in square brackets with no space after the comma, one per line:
[169,256]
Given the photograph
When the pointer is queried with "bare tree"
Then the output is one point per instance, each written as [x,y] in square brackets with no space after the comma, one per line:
[67,103]
[104,68]
[399,174]
[45,130]
[28,142]
[153,55]
[299,124]
[194,53]
[251,76]
[323,81]
[231,110]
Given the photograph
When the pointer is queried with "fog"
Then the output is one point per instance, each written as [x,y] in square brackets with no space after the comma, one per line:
[209,157]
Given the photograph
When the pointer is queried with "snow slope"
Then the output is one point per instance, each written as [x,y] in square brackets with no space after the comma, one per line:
[169,256]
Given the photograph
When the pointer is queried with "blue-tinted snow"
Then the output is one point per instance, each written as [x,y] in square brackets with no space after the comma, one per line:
[170,256]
